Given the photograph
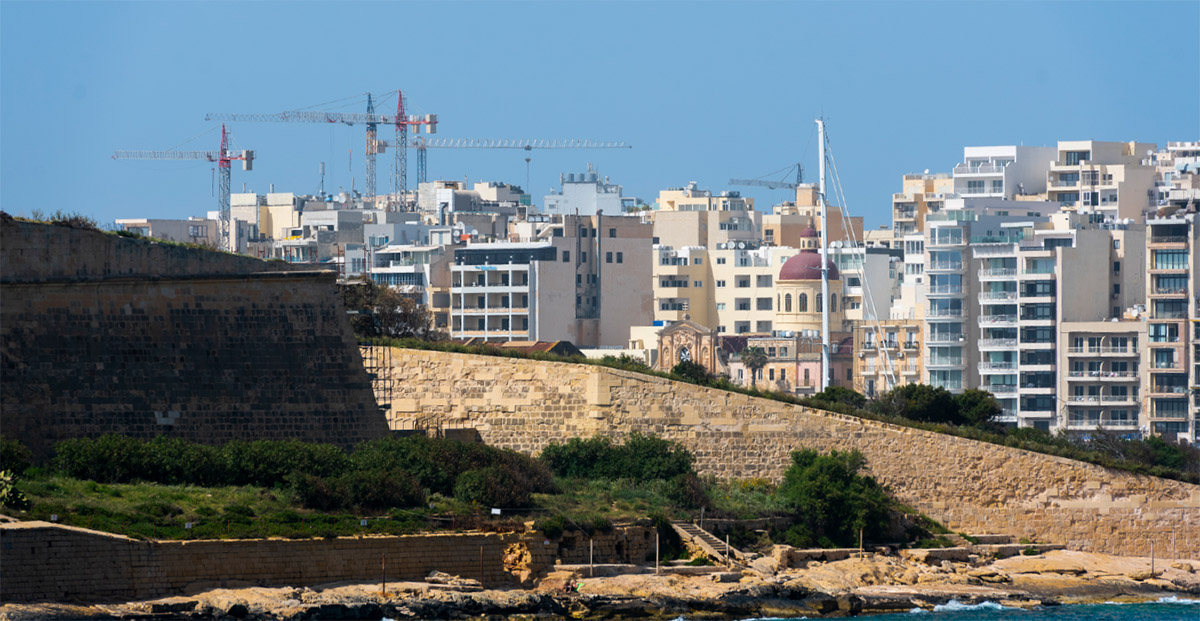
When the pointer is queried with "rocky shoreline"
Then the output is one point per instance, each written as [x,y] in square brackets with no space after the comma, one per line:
[867,584]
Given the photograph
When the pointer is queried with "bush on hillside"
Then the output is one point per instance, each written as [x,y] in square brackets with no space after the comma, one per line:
[493,486]
[831,502]
[841,395]
[14,456]
[641,458]
[977,407]
[919,402]
[692,372]
[438,463]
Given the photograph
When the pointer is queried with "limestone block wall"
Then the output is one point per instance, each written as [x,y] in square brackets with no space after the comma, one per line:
[209,356]
[40,561]
[970,486]
[33,252]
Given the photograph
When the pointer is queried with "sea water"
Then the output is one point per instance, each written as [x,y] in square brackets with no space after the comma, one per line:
[1165,609]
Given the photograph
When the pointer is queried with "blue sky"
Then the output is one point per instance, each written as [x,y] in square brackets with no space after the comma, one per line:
[704,91]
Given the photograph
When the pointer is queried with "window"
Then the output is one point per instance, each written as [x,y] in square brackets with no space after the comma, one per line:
[620,257]
[1116,267]
[975,187]
[802,303]
[720,283]
[743,304]
[579,279]
[583,257]
[697,261]
[833,302]
[1116,244]
[1170,260]
[654,241]
[743,282]
[771,374]
[807,381]
[787,303]
[1116,288]
[763,281]
[608,257]
[566,256]
[763,327]
[783,375]
[720,260]
[818,302]
[612,232]
[697,283]
[197,230]
[763,304]
[720,306]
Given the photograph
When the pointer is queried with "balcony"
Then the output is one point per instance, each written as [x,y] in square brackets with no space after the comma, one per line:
[997,366]
[997,296]
[1103,421]
[1040,273]
[1168,239]
[1169,390]
[997,343]
[997,320]
[945,266]
[493,310]
[942,242]
[945,290]
[944,312]
[1002,391]
[996,273]
[1156,314]
[1101,399]
[993,249]
[947,362]
[978,169]
[1104,375]
[1169,291]
[941,337]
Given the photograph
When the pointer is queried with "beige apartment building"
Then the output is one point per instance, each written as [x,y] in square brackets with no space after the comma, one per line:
[888,354]
[1109,179]
[1171,362]
[920,194]
[1099,384]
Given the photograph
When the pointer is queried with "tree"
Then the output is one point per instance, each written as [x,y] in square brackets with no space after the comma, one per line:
[831,502]
[977,407]
[755,359]
[381,311]
[920,402]
[841,394]
[691,371]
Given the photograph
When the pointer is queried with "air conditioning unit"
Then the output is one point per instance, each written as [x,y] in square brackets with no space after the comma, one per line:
[900,355]
[862,355]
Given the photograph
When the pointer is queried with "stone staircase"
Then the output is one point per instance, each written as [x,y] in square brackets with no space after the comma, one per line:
[712,546]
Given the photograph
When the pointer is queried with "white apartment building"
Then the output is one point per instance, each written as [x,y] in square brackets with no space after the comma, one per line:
[1002,172]
[586,194]
[583,282]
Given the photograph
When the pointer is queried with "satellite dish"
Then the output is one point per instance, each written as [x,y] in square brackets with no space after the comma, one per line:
[927,171]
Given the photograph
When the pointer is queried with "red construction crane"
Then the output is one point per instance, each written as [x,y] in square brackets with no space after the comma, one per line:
[223,157]
[372,120]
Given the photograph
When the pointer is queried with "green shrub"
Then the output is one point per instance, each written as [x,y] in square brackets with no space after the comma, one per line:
[266,463]
[108,459]
[841,395]
[314,492]
[14,456]
[831,501]
[10,496]
[688,491]
[438,463]
[382,489]
[691,372]
[493,486]
[552,527]
[641,458]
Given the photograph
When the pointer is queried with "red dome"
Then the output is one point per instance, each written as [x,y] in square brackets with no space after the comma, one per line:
[809,232]
[806,266]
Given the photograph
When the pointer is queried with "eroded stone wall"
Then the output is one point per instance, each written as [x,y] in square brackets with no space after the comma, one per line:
[970,486]
[40,561]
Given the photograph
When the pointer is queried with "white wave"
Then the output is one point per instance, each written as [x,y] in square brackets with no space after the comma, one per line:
[918,611]
[955,605]
[1171,599]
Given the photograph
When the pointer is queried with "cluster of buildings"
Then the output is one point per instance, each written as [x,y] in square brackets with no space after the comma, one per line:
[1061,279]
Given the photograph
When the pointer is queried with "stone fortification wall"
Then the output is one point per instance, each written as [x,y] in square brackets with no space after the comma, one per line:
[212,352]
[970,486]
[34,252]
[42,561]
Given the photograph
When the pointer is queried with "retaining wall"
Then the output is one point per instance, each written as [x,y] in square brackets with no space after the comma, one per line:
[970,486]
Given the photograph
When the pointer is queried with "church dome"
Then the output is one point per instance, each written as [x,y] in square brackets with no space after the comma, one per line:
[806,266]
[809,232]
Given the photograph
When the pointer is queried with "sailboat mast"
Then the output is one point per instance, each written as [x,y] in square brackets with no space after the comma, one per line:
[825,378]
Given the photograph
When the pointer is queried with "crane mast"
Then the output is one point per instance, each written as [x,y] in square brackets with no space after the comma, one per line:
[224,159]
